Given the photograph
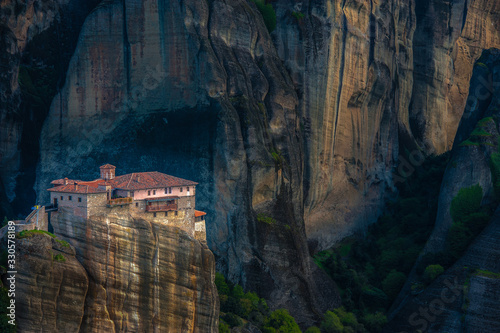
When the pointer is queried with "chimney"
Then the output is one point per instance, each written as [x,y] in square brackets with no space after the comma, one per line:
[66,181]
[76,186]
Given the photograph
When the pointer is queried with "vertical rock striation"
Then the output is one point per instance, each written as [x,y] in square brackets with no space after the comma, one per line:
[50,292]
[144,277]
[181,88]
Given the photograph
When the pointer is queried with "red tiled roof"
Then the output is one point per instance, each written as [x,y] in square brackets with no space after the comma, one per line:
[145,180]
[76,189]
[61,181]
[107,166]
[198,213]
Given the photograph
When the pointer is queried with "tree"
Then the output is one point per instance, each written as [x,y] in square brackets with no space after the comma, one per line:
[432,272]
[466,202]
[393,283]
[281,321]
[331,323]
[313,329]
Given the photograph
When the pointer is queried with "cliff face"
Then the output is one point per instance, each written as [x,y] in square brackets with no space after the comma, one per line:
[464,298]
[304,125]
[37,39]
[50,292]
[143,277]
[371,76]
[475,291]
[179,88]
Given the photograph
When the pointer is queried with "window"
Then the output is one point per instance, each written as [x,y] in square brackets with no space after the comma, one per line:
[62,198]
[187,189]
[154,214]
[180,189]
[154,192]
[70,198]
[166,190]
[149,192]
[166,214]
[170,190]
[176,213]
[137,204]
[79,199]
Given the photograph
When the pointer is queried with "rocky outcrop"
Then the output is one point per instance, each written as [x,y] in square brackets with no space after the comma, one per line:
[179,88]
[476,140]
[37,39]
[371,77]
[464,298]
[143,276]
[304,125]
[51,286]
[449,38]
[470,161]
[352,64]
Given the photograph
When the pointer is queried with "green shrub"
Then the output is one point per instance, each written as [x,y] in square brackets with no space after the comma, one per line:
[467,201]
[374,322]
[298,15]
[432,272]
[224,327]
[268,14]
[313,329]
[331,323]
[59,257]
[232,320]
[266,219]
[282,321]
[393,283]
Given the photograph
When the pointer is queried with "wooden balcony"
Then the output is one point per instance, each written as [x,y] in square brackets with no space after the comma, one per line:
[119,201]
[161,208]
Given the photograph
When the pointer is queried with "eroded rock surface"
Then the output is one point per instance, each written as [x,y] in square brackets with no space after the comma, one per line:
[51,286]
[144,277]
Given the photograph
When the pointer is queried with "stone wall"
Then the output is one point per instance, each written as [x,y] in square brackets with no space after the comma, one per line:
[63,200]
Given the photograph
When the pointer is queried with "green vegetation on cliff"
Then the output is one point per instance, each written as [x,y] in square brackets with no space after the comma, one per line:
[238,308]
[371,270]
[268,14]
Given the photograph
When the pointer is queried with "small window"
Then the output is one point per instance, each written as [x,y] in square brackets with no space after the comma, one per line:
[176,212]
[62,198]
[137,204]
[70,197]
[166,190]
[187,189]
[154,214]
[149,192]
[166,214]
[180,189]
[170,190]
[154,192]
[79,199]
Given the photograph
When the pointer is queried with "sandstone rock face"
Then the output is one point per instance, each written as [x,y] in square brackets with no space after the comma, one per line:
[50,293]
[464,298]
[304,125]
[373,75]
[179,88]
[144,277]
[470,162]
[469,165]
[352,65]
[36,38]
[449,38]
